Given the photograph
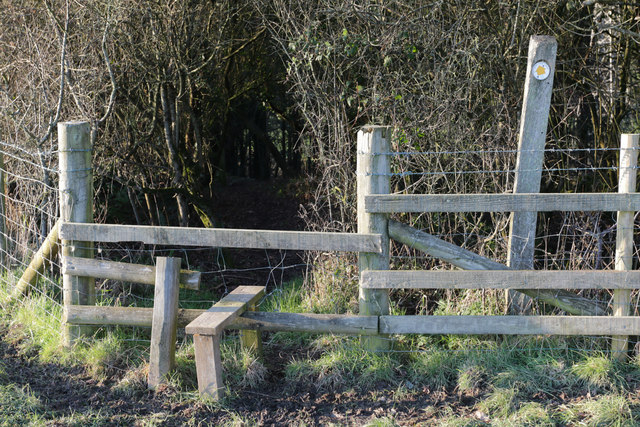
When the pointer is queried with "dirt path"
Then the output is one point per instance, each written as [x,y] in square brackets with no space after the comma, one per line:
[70,396]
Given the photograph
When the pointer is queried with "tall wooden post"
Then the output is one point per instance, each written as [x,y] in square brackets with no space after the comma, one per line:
[76,205]
[624,237]
[165,318]
[373,177]
[541,65]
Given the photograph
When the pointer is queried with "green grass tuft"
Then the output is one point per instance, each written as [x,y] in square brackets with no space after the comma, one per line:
[529,414]
[435,368]
[19,406]
[344,364]
[500,403]
[241,366]
[596,371]
[382,422]
[605,410]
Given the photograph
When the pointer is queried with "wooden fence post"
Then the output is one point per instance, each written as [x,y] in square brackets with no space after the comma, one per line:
[76,205]
[165,315]
[373,177]
[531,139]
[624,236]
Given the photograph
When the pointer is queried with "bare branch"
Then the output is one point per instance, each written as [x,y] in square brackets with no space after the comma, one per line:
[112,97]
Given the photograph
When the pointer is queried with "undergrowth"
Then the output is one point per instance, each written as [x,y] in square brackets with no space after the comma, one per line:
[520,381]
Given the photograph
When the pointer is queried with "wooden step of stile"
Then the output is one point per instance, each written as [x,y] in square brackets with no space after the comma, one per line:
[207,329]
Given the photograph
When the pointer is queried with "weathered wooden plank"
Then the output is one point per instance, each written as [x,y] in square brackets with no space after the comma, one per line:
[208,365]
[222,237]
[500,279]
[270,322]
[462,258]
[339,324]
[214,320]
[511,325]
[373,177]
[127,272]
[624,235]
[511,202]
[163,324]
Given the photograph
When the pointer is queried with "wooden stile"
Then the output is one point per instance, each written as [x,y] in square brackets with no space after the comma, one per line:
[511,325]
[126,272]
[163,327]
[214,320]
[222,237]
[514,202]
[500,279]
[208,365]
[206,330]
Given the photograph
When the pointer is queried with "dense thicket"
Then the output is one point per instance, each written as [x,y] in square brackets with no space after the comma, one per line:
[184,93]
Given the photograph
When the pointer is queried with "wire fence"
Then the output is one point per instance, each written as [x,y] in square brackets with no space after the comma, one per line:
[579,240]
[564,240]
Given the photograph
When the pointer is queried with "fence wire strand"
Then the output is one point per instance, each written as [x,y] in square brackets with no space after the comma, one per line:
[564,241]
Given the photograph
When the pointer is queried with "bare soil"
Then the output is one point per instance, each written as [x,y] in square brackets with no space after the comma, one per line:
[64,391]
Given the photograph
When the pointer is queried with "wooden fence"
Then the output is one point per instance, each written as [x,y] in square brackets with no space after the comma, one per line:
[375,203]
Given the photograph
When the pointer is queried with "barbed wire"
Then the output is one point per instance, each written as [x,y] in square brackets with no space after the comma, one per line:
[21,160]
[493,151]
[23,236]
[488,172]
[20,148]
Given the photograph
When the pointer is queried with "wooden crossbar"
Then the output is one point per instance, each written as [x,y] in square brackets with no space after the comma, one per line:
[135,273]
[225,311]
[222,237]
[520,202]
[511,325]
[291,322]
[500,279]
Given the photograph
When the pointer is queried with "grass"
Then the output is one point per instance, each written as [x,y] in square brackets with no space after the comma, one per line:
[523,381]
[18,406]
[605,410]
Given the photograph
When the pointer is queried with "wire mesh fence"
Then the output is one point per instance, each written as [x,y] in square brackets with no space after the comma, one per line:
[564,240]
[30,207]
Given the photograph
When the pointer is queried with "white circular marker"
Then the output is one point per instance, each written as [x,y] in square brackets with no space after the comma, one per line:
[541,70]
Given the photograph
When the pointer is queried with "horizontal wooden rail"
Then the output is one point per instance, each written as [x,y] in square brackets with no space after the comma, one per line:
[522,202]
[222,237]
[511,325]
[135,273]
[500,279]
[289,322]
[368,325]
